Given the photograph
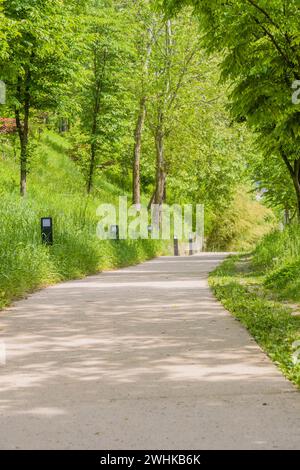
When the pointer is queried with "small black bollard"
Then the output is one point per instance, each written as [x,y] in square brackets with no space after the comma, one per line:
[176,249]
[47,231]
[190,246]
[114,230]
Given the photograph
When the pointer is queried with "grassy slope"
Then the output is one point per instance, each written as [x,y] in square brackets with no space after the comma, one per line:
[258,290]
[55,189]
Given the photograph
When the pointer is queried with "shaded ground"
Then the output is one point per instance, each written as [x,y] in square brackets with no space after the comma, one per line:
[143,357]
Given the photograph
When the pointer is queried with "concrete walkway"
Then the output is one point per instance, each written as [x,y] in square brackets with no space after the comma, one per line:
[140,358]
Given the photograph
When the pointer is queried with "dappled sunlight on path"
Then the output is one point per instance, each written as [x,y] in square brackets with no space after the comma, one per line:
[140,357]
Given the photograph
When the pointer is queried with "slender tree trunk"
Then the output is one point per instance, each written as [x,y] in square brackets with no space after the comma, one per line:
[92,165]
[160,167]
[96,110]
[90,179]
[151,200]
[165,191]
[297,190]
[296,181]
[136,177]
[63,125]
[23,130]
[294,170]
[287,219]
[160,129]
[23,169]
[136,184]
[160,178]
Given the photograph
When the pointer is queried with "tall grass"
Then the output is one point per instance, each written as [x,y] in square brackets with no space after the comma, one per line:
[278,247]
[277,257]
[56,188]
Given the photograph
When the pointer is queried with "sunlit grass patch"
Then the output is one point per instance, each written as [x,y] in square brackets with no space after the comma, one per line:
[269,321]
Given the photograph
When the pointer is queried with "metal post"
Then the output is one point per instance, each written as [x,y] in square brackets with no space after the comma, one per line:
[47,231]
[176,249]
[190,246]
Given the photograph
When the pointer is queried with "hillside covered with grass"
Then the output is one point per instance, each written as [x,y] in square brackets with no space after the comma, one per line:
[56,190]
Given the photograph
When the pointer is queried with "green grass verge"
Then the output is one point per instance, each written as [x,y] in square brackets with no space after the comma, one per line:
[277,258]
[240,288]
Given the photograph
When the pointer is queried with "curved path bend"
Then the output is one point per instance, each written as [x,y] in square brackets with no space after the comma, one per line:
[140,358]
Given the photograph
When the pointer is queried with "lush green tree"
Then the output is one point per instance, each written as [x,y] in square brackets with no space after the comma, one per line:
[173,71]
[5,27]
[104,97]
[145,25]
[134,94]
[36,64]
[259,43]
[272,183]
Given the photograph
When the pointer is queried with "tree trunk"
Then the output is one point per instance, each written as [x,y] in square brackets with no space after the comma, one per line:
[151,201]
[23,130]
[160,129]
[136,184]
[96,110]
[23,169]
[63,125]
[287,219]
[91,168]
[294,171]
[160,167]
[297,190]
[136,176]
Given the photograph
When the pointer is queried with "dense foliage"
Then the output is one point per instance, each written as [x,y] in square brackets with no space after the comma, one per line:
[134,104]
[135,93]
[258,41]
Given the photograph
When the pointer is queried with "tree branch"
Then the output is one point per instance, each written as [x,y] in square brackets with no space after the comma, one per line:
[274,42]
[288,163]
[265,13]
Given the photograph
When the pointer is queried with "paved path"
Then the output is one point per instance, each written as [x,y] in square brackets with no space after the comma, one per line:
[143,357]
